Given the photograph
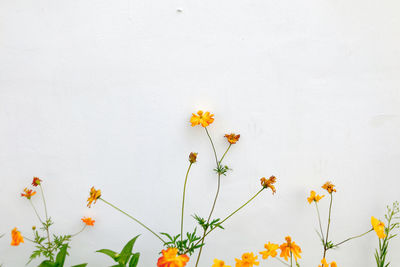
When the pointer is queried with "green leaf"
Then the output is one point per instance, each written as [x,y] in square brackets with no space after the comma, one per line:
[60,258]
[126,252]
[80,265]
[134,260]
[48,263]
[114,255]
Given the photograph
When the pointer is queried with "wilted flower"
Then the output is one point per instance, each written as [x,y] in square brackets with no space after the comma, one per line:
[16,237]
[204,119]
[269,183]
[232,138]
[36,181]
[94,195]
[170,258]
[28,193]
[192,157]
[290,247]
[328,186]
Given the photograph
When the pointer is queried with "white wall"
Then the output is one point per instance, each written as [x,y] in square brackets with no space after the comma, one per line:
[100,93]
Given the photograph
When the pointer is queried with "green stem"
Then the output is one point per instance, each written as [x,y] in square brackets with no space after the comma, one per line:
[291,259]
[353,237]
[183,198]
[37,214]
[213,147]
[77,233]
[319,221]
[133,218]
[327,229]
[281,261]
[223,156]
[45,212]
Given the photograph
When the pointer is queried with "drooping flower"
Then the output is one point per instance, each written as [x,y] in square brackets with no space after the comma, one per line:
[269,183]
[232,138]
[219,263]
[204,119]
[16,237]
[88,221]
[328,186]
[314,197]
[36,181]
[271,250]
[288,247]
[248,260]
[326,264]
[170,258]
[379,227]
[192,157]
[94,195]
[28,193]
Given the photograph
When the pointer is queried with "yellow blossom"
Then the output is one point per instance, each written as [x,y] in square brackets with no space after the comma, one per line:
[314,197]
[271,250]
[248,260]
[192,157]
[269,183]
[16,237]
[170,258]
[219,263]
[232,138]
[204,119]
[379,227]
[326,264]
[94,195]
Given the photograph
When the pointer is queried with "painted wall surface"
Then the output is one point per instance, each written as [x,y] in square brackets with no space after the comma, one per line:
[100,93]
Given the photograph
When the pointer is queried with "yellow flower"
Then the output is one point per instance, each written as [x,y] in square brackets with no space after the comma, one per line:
[232,138]
[328,186]
[169,258]
[248,260]
[219,263]
[269,183]
[204,119]
[326,264]
[16,237]
[88,221]
[28,193]
[288,247]
[379,227]
[94,195]
[271,250]
[193,157]
[314,197]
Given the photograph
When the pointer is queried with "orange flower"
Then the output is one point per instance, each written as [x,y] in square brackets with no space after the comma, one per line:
[192,157]
[271,250]
[314,197]
[28,193]
[36,181]
[290,247]
[248,260]
[88,221]
[169,258]
[379,227]
[328,186]
[219,263]
[326,264]
[269,183]
[232,138]
[204,119]
[16,237]
[94,195]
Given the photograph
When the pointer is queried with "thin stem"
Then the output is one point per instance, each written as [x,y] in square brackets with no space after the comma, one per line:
[291,259]
[327,229]
[353,237]
[319,220]
[133,218]
[183,198]
[223,156]
[213,147]
[77,233]
[29,239]
[45,212]
[37,214]
[281,261]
